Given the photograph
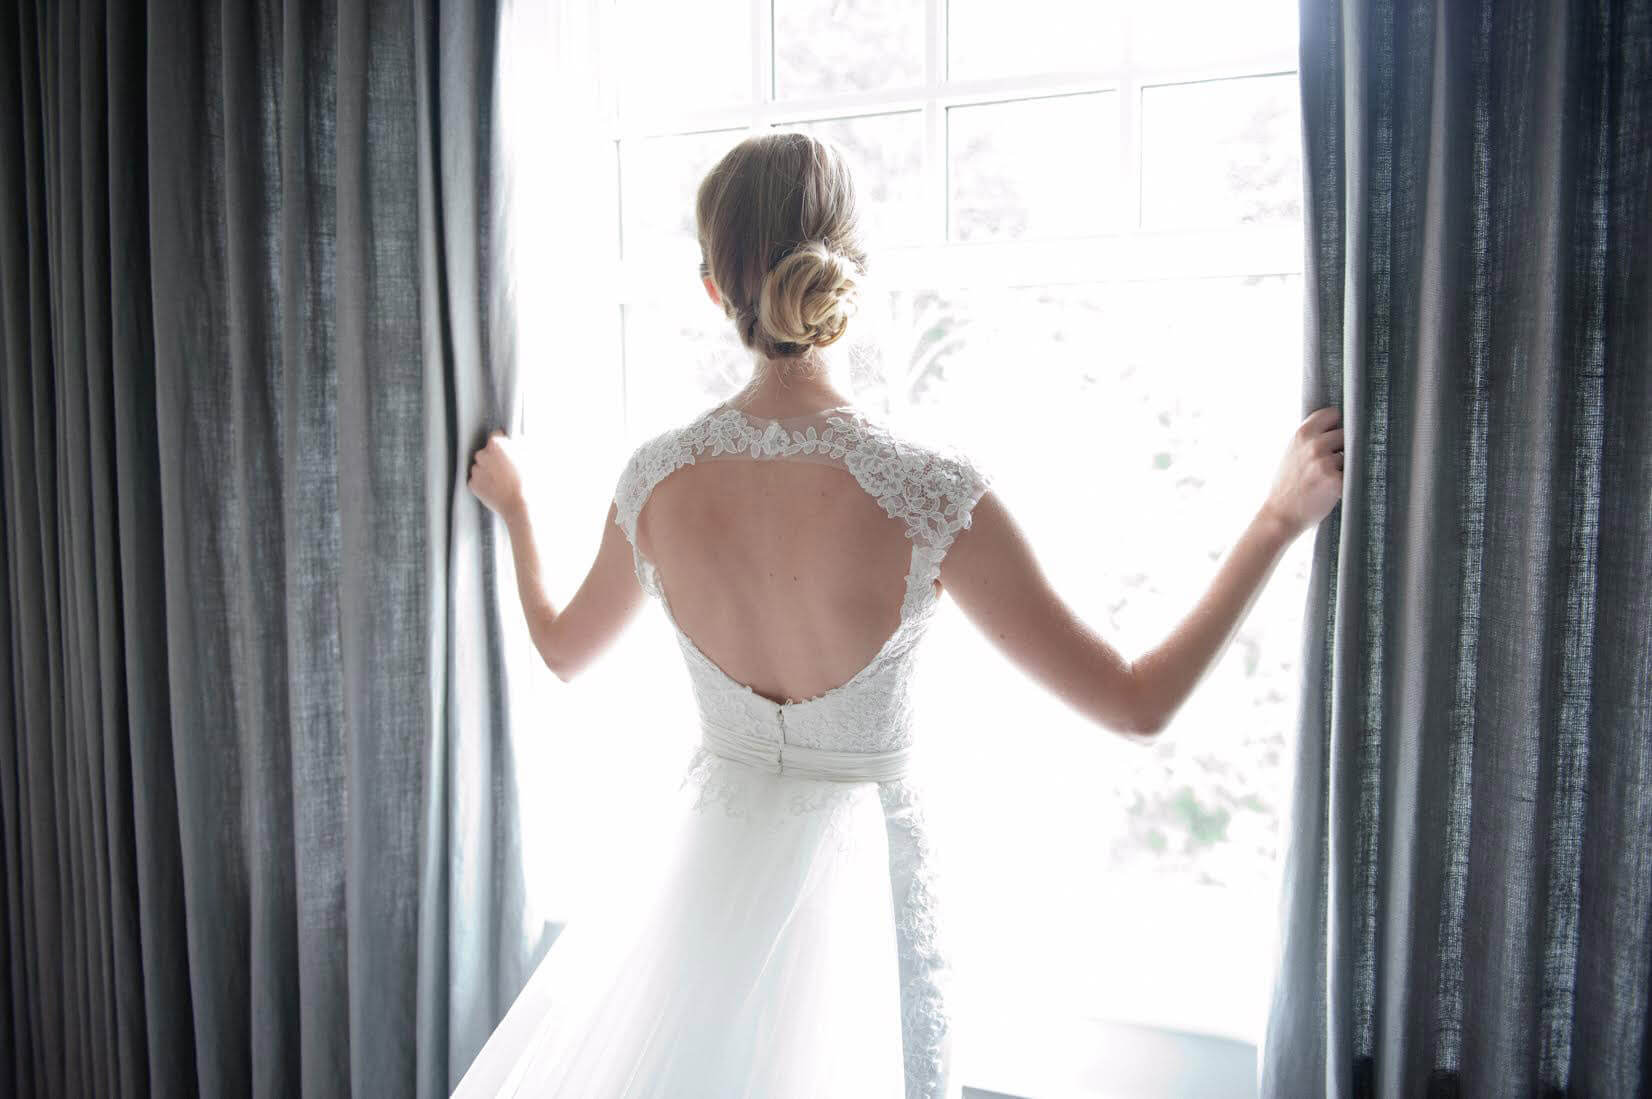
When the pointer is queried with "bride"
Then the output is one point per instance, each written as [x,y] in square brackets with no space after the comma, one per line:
[785,940]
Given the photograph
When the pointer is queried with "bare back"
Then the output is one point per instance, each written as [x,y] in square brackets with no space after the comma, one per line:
[787,575]
[793,576]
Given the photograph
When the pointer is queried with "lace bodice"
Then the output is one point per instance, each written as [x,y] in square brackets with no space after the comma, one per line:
[931,490]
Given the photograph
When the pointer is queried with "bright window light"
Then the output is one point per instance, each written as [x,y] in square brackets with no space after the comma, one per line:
[1086,229]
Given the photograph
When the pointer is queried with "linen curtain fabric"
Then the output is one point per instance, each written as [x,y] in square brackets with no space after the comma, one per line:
[257,809]
[1467,906]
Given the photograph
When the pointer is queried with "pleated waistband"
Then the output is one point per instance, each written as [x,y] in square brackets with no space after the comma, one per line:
[800,762]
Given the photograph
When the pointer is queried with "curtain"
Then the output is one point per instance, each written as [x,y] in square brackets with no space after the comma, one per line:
[1467,902]
[257,801]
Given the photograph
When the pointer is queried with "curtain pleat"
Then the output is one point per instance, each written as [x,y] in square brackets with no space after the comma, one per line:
[258,810]
[1467,904]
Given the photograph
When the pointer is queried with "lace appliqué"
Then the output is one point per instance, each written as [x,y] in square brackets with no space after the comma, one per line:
[932,490]
[925,1024]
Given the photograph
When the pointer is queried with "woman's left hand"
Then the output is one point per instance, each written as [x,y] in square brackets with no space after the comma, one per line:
[494,477]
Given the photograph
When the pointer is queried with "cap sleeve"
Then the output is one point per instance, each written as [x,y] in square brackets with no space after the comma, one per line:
[648,465]
[963,482]
[976,481]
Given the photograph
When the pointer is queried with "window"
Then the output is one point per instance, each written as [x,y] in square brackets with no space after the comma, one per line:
[1086,237]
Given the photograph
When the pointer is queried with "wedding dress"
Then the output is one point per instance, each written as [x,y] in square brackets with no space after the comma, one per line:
[784,943]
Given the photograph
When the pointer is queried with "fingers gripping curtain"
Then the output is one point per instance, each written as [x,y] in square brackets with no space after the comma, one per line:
[1468,885]
[257,811]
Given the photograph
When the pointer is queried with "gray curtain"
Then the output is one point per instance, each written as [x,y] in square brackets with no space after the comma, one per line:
[257,816]
[1468,888]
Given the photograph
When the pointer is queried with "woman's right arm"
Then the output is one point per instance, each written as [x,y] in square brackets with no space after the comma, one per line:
[992,573]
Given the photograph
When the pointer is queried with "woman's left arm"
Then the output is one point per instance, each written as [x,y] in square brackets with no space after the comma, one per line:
[605,603]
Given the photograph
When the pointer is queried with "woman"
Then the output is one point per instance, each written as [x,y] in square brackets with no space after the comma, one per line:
[786,945]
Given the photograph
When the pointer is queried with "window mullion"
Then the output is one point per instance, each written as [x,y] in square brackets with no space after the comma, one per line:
[1129,131]
[935,165]
[762,64]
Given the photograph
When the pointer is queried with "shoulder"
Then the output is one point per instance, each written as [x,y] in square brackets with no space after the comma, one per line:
[715,431]
[954,468]
[651,462]
[959,478]
[934,482]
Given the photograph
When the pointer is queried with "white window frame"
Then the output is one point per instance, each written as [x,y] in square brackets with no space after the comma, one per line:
[1131,254]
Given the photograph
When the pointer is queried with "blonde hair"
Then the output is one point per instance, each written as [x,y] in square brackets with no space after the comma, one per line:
[781,239]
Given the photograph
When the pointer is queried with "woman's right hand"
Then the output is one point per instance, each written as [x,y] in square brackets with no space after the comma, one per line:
[1309,482]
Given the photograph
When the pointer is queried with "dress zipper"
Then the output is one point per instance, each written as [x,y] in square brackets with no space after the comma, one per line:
[780,765]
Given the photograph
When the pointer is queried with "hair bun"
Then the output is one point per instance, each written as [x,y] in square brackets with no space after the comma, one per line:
[808,297]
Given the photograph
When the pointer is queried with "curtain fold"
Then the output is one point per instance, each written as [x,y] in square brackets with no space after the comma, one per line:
[258,808]
[1467,903]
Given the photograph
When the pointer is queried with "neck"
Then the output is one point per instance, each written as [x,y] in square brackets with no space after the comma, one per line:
[788,387]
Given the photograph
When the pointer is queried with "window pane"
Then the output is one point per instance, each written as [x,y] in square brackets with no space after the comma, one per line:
[987,38]
[1033,168]
[885,153]
[827,47]
[681,357]
[1184,34]
[1222,152]
[684,56]
[658,179]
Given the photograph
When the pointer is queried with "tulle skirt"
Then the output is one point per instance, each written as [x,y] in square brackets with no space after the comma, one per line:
[754,956]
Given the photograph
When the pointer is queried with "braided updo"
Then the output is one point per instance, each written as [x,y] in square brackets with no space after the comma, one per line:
[780,233]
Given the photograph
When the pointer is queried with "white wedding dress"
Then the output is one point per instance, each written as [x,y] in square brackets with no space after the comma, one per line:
[783,944]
